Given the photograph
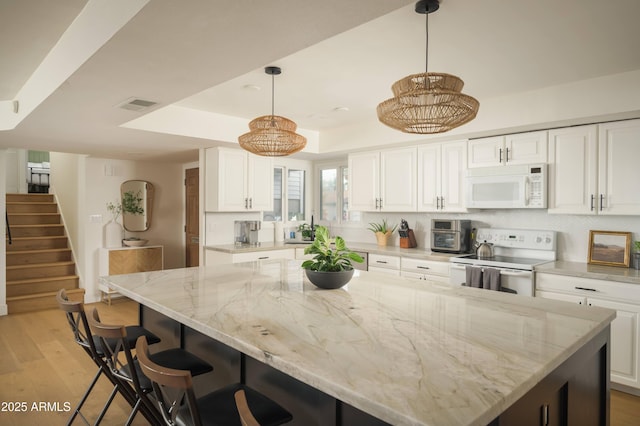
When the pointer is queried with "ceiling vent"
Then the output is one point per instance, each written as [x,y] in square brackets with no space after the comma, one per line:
[135,104]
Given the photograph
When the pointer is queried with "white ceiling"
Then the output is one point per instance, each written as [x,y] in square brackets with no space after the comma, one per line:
[201,54]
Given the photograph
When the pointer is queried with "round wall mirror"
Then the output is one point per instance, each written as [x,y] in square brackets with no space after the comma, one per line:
[137,205]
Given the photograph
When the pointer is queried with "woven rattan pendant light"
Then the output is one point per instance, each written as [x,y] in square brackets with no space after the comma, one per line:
[272,135]
[427,102]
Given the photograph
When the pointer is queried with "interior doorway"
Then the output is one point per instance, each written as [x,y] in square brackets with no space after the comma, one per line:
[192,207]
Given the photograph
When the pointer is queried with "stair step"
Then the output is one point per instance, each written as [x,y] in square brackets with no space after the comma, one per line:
[40,301]
[30,198]
[32,208]
[42,270]
[32,257]
[41,285]
[36,243]
[44,230]
[33,218]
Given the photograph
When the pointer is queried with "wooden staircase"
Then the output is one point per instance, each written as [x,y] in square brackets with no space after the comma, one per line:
[39,262]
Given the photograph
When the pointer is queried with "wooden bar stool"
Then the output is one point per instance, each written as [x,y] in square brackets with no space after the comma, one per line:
[116,341]
[236,404]
[82,335]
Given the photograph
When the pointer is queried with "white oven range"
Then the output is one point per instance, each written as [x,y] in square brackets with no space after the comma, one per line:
[516,253]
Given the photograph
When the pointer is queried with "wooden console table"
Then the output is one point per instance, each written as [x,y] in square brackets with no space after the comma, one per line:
[127,260]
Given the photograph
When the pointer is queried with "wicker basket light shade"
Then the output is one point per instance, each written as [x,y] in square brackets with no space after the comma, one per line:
[272,136]
[428,103]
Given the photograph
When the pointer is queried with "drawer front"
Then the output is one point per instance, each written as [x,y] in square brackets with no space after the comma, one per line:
[264,255]
[383,261]
[588,287]
[430,267]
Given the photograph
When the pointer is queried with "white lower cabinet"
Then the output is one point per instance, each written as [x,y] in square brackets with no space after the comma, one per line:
[213,257]
[625,328]
[385,264]
[430,270]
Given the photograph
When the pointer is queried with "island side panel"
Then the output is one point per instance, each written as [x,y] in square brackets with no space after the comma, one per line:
[576,393]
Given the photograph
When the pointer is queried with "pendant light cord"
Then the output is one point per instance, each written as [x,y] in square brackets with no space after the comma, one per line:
[426,53]
[272,94]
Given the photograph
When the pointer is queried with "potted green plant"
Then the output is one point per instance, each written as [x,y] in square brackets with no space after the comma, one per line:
[636,255]
[305,231]
[331,265]
[382,231]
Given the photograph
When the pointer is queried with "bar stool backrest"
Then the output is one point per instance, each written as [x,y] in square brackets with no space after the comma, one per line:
[77,320]
[114,343]
[171,387]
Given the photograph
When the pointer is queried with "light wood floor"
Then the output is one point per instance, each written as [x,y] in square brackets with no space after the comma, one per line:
[40,363]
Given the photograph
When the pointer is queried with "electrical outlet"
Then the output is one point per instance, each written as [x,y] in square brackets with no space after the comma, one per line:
[95,218]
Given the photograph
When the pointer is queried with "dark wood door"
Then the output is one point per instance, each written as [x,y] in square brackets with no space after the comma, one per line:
[192,226]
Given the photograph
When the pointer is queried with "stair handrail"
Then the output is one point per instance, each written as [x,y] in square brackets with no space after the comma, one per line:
[6,216]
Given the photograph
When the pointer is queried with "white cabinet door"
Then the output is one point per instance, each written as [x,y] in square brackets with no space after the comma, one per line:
[625,362]
[573,170]
[486,152]
[260,183]
[525,148]
[364,181]
[429,177]
[454,158]
[441,169]
[225,179]
[618,154]
[398,180]
[518,148]
[237,181]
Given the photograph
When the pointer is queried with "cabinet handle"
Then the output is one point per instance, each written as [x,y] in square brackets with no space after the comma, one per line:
[601,201]
[423,267]
[545,415]
[380,203]
[437,203]
[381,261]
[442,203]
[263,257]
[500,155]
[592,200]
[585,288]
[246,203]
[250,203]
[507,156]
[376,204]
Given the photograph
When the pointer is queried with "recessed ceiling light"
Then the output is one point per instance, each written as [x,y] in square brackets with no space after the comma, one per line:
[251,87]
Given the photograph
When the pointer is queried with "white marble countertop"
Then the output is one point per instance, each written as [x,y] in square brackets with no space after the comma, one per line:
[407,352]
[418,253]
[586,270]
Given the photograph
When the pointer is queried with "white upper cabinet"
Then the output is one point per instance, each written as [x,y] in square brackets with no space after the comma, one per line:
[618,155]
[441,168]
[237,181]
[383,180]
[519,148]
[573,170]
[593,169]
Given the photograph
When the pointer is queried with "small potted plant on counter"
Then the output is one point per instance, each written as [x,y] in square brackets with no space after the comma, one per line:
[331,266]
[636,255]
[382,231]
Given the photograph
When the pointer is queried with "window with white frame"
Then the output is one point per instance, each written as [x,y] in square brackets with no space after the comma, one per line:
[334,195]
[289,196]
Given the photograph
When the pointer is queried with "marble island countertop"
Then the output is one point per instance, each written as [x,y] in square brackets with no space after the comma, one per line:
[407,352]
[418,252]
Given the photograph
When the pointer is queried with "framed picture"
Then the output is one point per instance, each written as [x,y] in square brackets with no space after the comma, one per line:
[609,248]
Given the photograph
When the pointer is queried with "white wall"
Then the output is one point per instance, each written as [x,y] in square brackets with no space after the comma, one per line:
[84,185]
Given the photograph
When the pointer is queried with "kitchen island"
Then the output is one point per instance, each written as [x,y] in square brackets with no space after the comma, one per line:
[386,349]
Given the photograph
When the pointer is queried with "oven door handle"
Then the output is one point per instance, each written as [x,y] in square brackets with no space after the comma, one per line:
[511,272]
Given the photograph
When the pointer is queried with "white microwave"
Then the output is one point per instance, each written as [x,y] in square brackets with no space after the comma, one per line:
[521,186]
